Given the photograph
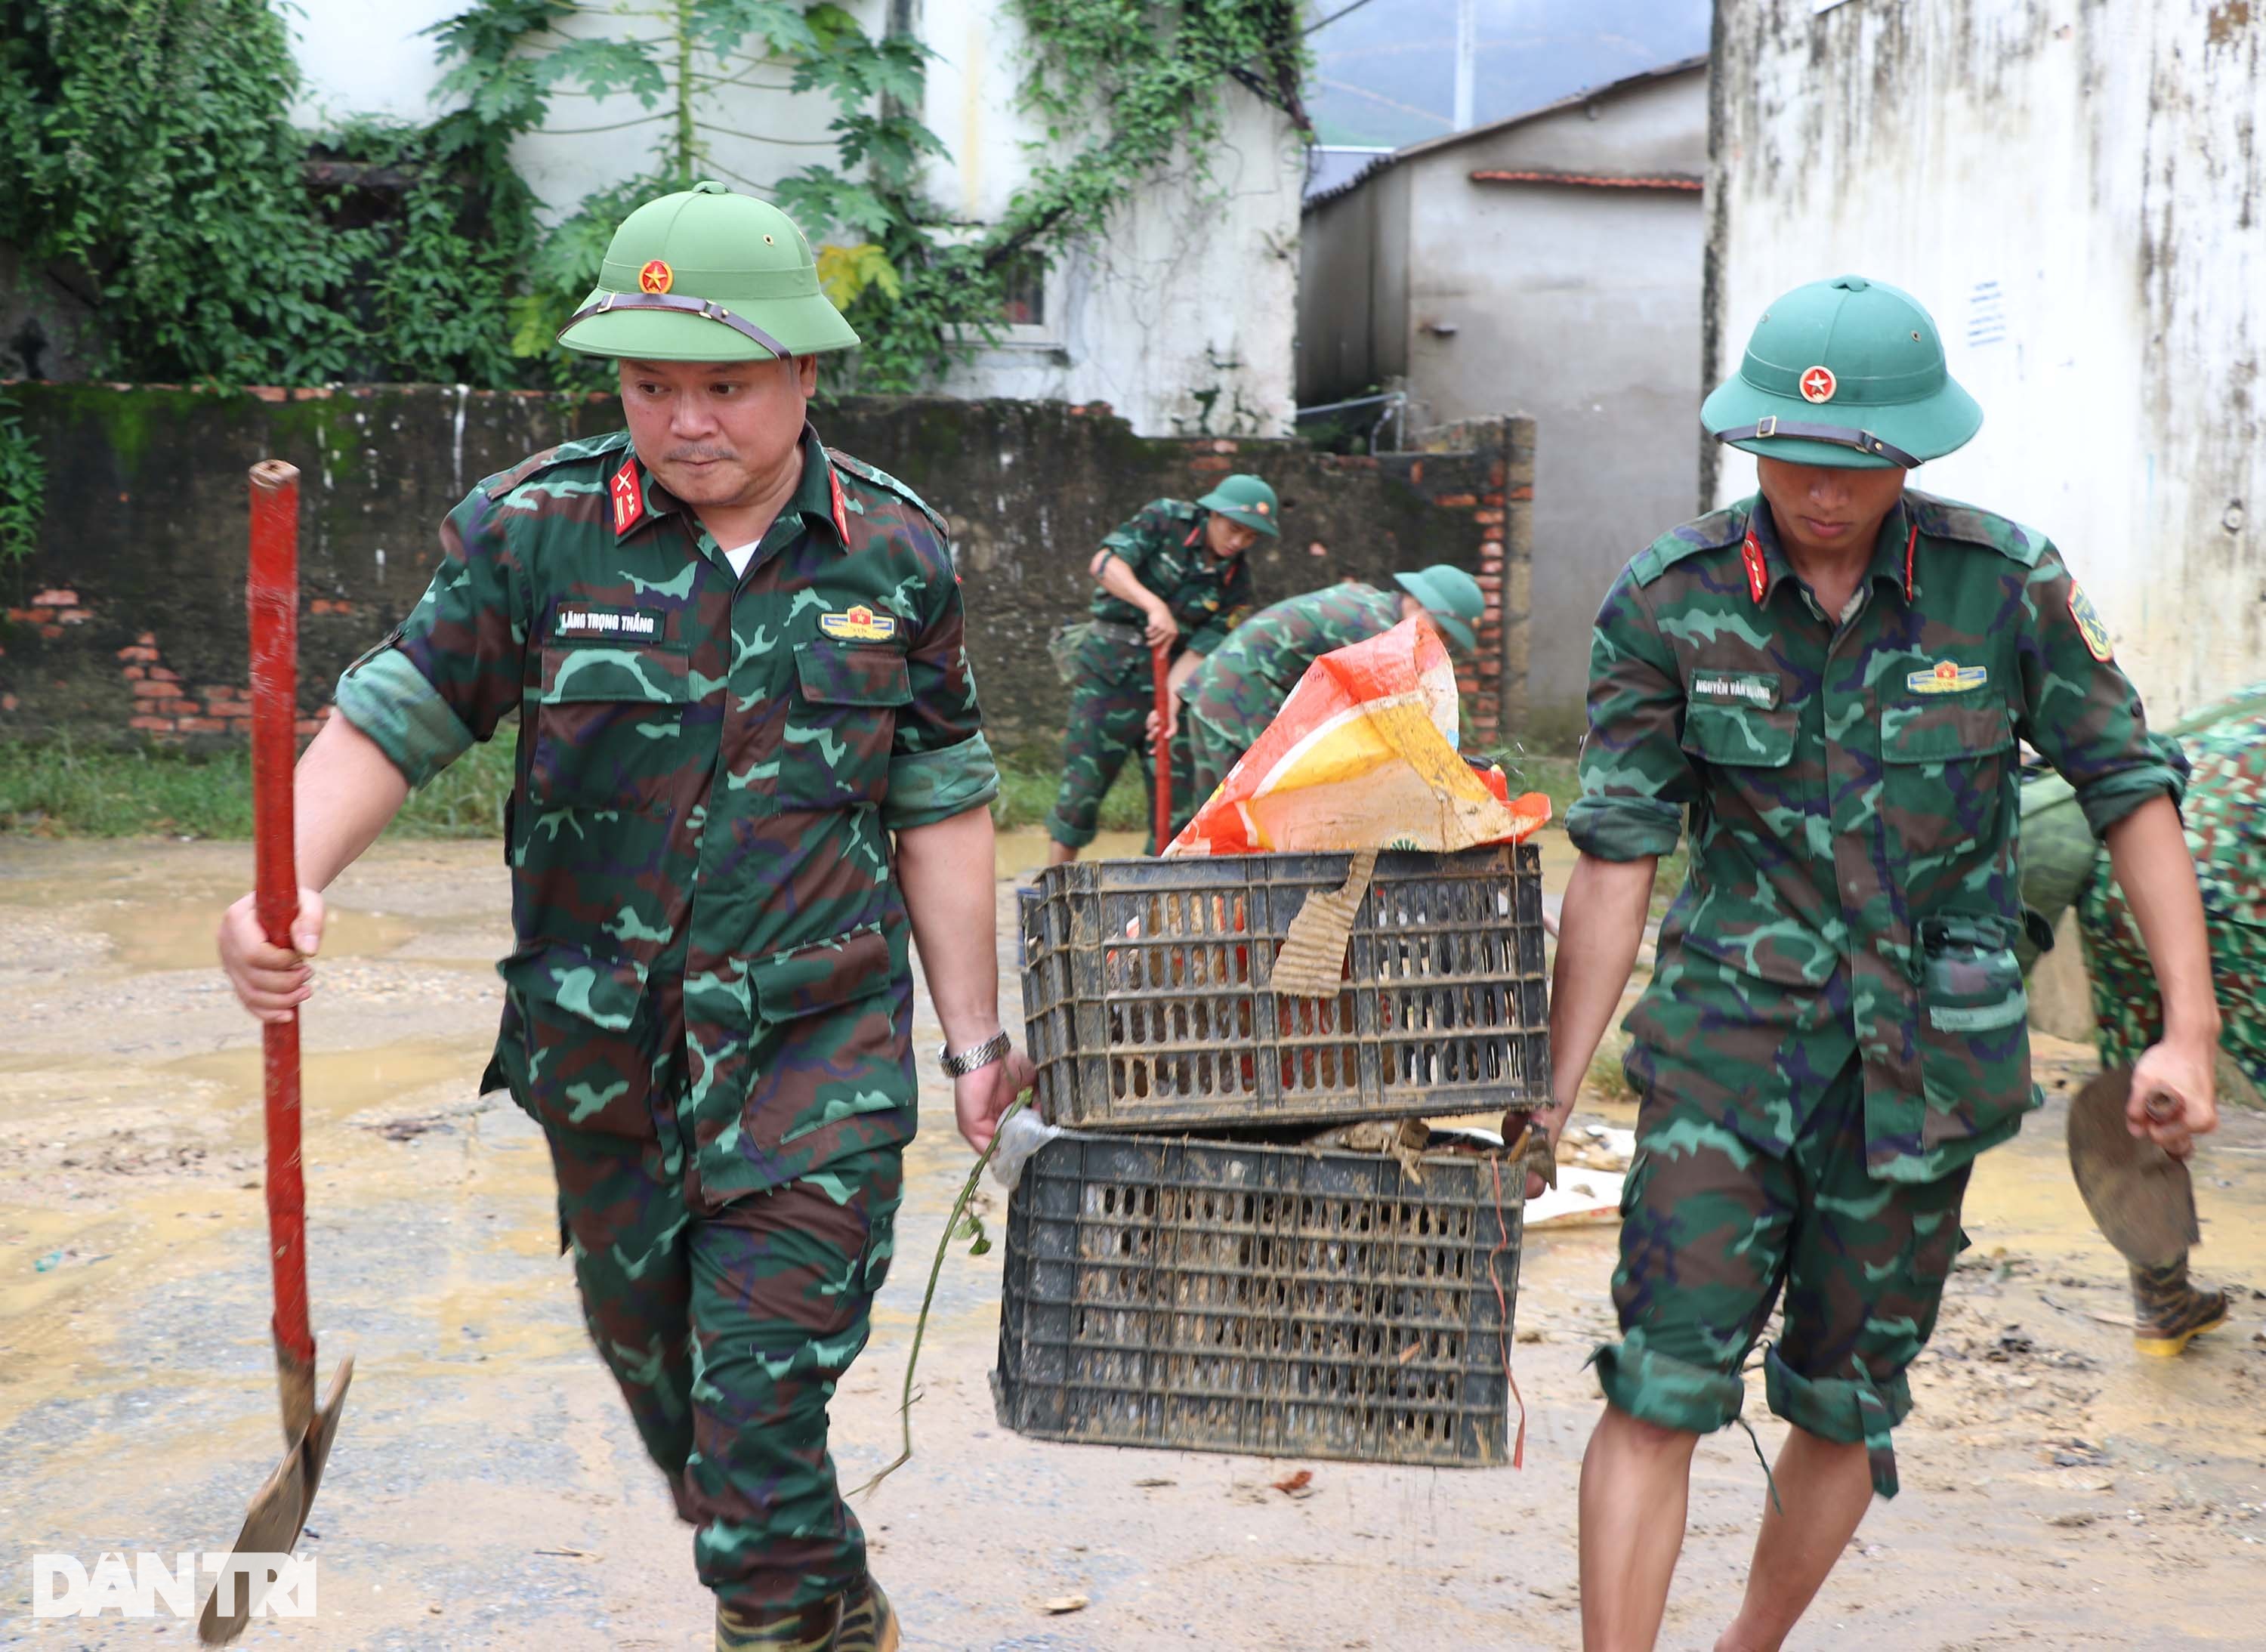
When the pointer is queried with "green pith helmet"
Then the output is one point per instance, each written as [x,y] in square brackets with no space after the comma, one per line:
[1848,373]
[706,275]
[1246,500]
[1452,597]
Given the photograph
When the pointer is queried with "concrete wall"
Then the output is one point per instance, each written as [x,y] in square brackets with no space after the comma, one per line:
[1579,306]
[2075,188]
[128,621]
[1178,315]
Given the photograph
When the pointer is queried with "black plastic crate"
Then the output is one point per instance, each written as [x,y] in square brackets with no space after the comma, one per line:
[1283,1301]
[1148,1004]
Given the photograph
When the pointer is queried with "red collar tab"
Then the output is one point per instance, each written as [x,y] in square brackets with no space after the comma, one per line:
[1751,552]
[628,497]
[840,510]
[1910,544]
[1194,534]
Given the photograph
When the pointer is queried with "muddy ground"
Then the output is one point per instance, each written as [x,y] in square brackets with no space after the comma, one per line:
[488,1491]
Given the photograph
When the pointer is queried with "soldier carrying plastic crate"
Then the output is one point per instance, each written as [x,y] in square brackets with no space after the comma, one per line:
[751,769]
[1826,682]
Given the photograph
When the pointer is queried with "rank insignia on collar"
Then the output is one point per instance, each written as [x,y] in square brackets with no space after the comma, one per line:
[860,624]
[628,497]
[1948,676]
[2088,624]
[1751,552]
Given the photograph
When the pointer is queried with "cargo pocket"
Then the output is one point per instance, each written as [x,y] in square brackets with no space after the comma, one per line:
[1974,1033]
[575,1051]
[835,1047]
[842,724]
[609,728]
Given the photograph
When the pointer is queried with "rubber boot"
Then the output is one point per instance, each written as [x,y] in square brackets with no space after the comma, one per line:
[2168,1312]
[813,1629]
[868,1625]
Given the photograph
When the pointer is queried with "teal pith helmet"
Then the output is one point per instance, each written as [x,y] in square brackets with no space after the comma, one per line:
[1246,500]
[1848,373]
[706,275]
[1453,599]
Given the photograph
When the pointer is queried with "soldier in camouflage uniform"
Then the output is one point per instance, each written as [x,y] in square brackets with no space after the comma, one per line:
[1234,691]
[1176,579]
[1824,685]
[2225,816]
[750,768]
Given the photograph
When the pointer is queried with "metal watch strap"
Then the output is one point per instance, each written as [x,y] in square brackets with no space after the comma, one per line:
[706,309]
[1840,435]
[992,1049]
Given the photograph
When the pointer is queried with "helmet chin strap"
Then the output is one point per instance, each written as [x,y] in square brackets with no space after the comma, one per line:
[1840,435]
[706,309]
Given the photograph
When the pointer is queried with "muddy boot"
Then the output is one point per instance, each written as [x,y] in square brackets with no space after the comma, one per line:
[867,1623]
[813,1629]
[2168,1312]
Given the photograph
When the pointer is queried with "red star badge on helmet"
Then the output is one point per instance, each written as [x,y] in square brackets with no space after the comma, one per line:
[1818,384]
[656,277]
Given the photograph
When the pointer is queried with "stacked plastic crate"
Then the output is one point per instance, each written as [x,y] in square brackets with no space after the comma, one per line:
[1184,1268]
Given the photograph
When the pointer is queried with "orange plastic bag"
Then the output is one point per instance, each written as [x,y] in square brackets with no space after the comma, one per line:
[1360,757]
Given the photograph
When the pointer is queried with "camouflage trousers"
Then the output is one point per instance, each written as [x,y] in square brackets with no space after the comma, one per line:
[1713,1231]
[727,1330]
[1203,753]
[1108,720]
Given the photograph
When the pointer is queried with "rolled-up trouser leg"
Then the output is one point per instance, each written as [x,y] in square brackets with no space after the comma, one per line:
[783,1287]
[1713,1229]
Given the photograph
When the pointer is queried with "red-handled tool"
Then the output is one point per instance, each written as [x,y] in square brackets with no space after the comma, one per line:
[279,1507]
[1160,748]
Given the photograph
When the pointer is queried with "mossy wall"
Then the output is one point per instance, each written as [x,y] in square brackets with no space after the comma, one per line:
[128,623]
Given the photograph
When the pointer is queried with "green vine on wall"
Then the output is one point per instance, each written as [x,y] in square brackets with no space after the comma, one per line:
[23,487]
[162,193]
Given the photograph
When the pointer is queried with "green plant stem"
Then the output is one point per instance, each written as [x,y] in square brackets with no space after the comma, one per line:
[928,1297]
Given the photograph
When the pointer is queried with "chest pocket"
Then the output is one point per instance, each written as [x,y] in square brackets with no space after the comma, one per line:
[1946,773]
[1740,737]
[609,726]
[841,725]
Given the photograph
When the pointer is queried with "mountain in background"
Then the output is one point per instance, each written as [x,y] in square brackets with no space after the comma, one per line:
[1385,74]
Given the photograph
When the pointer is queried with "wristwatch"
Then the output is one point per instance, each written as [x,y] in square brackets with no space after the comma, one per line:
[992,1049]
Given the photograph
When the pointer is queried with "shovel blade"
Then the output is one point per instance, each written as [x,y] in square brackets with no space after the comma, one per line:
[2139,1195]
[278,1513]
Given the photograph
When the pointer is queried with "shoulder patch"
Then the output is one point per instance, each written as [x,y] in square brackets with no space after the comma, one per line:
[2088,624]
[566,453]
[1712,532]
[888,484]
[1949,519]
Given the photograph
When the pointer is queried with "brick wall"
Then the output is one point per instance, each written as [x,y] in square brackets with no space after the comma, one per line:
[127,623]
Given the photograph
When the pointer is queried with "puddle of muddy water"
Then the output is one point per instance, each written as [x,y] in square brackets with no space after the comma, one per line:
[1019,854]
[336,1085]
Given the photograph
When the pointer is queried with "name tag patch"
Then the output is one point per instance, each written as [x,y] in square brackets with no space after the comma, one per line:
[860,624]
[1736,688]
[576,623]
[1948,676]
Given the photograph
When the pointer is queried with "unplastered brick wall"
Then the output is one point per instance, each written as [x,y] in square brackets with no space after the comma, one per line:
[128,621]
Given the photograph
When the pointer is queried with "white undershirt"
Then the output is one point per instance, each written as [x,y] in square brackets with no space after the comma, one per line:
[739,556]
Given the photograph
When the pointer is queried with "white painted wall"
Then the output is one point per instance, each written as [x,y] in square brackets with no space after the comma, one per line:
[2075,190]
[1179,316]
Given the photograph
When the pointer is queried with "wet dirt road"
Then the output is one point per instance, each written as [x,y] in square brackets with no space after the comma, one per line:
[487,1492]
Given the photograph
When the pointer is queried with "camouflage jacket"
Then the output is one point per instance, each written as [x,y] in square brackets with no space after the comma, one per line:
[1164,547]
[1851,792]
[708,773]
[1242,684]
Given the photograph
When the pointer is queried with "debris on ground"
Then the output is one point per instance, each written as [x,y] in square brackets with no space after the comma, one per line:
[1061,1603]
